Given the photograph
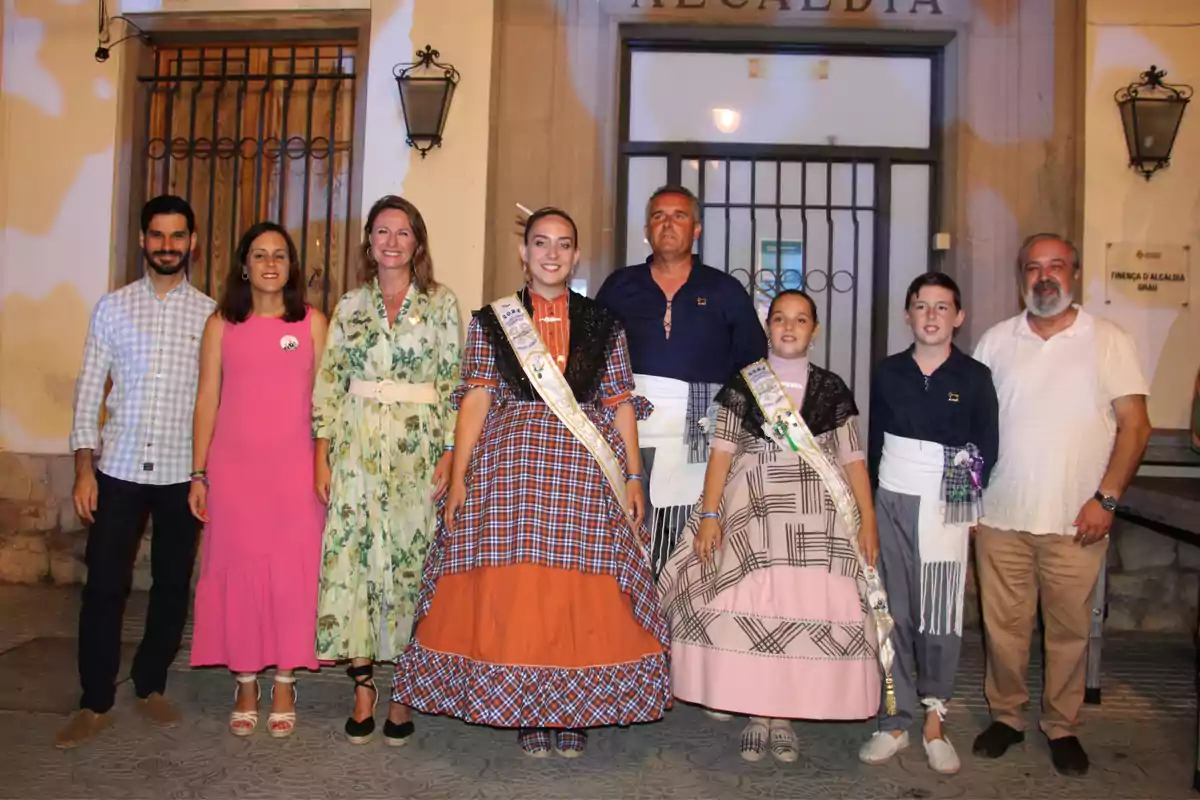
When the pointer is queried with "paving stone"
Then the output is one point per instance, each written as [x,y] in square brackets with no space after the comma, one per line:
[1141,548]
[1189,556]
[1155,600]
[24,558]
[1140,740]
[22,477]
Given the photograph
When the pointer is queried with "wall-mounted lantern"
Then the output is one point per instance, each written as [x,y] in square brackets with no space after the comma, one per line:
[1151,111]
[426,88]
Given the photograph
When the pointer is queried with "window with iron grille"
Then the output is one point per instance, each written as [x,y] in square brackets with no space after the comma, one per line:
[248,133]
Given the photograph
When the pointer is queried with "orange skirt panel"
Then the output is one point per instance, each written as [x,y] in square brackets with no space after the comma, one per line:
[533,615]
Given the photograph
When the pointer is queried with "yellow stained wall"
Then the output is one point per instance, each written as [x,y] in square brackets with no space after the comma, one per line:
[1123,40]
[58,148]
[59,124]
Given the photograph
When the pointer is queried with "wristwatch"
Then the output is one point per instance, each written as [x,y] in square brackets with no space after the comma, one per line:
[1108,503]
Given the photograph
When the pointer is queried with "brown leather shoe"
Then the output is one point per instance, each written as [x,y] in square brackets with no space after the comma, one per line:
[158,710]
[83,726]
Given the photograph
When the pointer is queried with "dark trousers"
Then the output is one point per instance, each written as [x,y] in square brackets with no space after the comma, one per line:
[112,548]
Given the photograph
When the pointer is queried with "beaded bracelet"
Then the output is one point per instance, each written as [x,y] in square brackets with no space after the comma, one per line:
[709,515]
[635,476]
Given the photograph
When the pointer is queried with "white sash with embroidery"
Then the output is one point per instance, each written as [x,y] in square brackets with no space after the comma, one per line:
[786,427]
[552,385]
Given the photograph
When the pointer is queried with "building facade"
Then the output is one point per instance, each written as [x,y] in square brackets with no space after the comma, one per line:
[845,144]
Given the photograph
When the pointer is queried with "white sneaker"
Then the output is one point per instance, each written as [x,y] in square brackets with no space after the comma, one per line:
[942,757]
[882,746]
[940,752]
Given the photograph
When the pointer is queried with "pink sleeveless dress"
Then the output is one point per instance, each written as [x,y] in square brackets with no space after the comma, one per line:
[256,600]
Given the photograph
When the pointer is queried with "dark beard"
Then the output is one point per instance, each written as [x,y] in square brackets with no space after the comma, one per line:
[180,265]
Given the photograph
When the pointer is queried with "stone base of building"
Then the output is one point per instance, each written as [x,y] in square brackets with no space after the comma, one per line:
[41,538]
[1153,583]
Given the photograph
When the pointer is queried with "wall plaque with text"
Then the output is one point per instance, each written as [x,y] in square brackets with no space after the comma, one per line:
[1149,275]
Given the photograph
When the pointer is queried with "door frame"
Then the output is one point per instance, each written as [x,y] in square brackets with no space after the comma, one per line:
[831,42]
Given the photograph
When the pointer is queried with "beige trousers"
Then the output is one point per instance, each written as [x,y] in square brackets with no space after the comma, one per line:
[1014,568]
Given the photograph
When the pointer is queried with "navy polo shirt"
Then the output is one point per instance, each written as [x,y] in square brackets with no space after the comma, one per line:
[715,330]
[953,406]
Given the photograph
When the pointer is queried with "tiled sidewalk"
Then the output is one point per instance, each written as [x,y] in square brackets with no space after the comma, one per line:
[1141,741]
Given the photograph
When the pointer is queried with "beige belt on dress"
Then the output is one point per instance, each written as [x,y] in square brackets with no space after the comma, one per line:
[393,392]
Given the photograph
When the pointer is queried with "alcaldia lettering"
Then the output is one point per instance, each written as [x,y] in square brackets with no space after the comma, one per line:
[851,6]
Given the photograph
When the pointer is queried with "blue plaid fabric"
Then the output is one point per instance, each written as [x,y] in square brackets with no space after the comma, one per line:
[699,421]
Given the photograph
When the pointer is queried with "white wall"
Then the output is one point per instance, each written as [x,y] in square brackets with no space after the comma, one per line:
[60,145]
[1123,40]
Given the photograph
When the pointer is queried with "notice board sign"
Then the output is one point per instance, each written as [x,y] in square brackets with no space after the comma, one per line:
[1148,275]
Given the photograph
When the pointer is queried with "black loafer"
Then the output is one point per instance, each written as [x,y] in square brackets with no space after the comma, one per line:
[398,735]
[996,739]
[1068,757]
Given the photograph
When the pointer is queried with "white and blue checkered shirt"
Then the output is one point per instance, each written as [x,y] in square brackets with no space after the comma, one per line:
[151,348]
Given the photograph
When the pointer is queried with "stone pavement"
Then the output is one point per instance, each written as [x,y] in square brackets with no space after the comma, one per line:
[1141,741]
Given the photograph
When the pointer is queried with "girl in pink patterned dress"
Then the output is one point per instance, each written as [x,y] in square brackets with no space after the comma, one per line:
[252,479]
[766,594]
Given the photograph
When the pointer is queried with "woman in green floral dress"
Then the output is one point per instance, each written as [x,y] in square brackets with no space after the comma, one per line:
[385,430]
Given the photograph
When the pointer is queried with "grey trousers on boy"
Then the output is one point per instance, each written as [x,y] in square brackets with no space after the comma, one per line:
[925,664]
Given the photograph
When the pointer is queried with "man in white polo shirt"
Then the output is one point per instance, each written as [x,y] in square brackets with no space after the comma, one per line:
[1073,427]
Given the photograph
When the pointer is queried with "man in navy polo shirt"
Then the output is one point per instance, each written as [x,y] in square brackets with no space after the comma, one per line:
[690,328]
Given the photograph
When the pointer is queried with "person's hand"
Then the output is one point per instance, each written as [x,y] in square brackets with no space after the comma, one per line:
[635,503]
[441,475]
[198,500]
[708,538]
[86,495]
[1092,523]
[456,495]
[322,478]
[868,542]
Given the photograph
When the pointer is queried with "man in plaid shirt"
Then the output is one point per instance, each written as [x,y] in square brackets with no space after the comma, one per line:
[146,338]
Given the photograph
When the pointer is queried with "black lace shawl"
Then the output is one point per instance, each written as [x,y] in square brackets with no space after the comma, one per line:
[592,329]
[828,402]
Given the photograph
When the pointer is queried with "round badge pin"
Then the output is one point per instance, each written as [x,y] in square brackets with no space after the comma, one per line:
[289,342]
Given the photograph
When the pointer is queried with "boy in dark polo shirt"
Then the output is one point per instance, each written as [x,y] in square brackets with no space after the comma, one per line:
[933,440]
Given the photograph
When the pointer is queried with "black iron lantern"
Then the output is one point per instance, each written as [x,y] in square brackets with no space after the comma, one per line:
[1150,113]
[426,88]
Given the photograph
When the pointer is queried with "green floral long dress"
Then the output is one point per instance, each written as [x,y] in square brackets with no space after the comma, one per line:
[381,517]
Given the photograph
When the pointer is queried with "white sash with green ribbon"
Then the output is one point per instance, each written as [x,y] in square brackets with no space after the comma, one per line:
[552,385]
[786,427]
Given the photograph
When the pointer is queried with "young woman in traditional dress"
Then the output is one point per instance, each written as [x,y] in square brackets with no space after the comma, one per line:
[252,475]
[385,428]
[766,594]
[538,609]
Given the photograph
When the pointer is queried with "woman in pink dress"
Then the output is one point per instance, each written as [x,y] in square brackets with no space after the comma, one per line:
[252,480]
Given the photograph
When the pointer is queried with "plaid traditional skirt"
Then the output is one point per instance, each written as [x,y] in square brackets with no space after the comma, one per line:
[538,608]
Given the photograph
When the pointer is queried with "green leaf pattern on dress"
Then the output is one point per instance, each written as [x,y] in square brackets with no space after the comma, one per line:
[381,517]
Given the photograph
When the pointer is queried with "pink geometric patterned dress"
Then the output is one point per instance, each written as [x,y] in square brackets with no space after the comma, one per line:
[256,601]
